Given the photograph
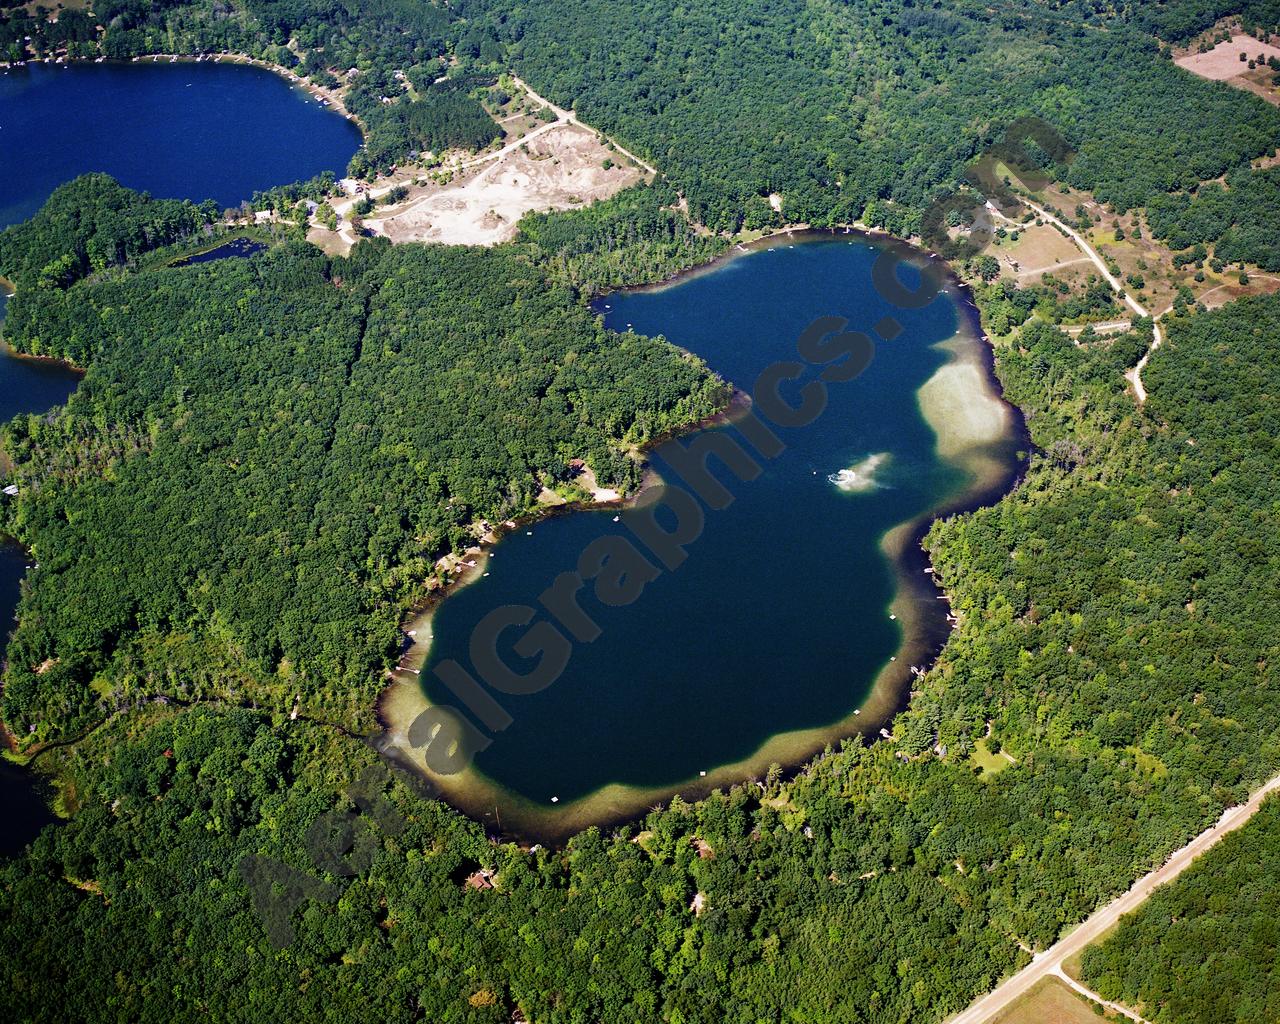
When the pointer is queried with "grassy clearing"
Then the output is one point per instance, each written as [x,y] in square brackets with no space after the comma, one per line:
[34,6]
[1039,249]
[990,763]
[1050,1002]
[1146,266]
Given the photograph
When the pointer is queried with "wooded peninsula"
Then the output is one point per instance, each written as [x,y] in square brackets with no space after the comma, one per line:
[267,456]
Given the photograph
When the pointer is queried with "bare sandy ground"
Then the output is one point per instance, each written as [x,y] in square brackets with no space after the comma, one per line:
[1223,62]
[958,403]
[547,165]
[559,169]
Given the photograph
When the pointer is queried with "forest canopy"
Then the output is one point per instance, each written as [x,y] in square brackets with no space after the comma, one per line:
[864,111]
[90,224]
[849,111]
[1237,218]
[1113,638]
[267,455]
[1205,948]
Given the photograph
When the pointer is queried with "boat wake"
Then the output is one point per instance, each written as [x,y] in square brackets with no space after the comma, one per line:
[861,476]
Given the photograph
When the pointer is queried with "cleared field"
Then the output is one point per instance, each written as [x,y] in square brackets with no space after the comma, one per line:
[548,160]
[561,168]
[63,5]
[1038,250]
[517,126]
[1050,1002]
[990,763]
[331,242]
[1259,284]
[1112,235]
[1223,63]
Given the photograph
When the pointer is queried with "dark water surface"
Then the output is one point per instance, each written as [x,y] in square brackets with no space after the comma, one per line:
[184,131]
[189,131]
[26,386]
[238,248]
[780,618]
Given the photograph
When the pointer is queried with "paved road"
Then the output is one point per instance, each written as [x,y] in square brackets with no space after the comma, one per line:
[1050,961]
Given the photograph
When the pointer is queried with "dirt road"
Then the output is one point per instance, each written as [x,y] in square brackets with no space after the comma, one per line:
[572,118]
[1134,376]
[1071,983]
[452,207]
[1050,961]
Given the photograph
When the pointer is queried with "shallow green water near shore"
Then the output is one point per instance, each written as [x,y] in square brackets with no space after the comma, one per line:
[780,620]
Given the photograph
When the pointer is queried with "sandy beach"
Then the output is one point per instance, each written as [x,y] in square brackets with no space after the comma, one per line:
[962,403]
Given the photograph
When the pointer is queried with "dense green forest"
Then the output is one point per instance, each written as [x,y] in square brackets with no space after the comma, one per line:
[849,111]
[1005,305]
[1237,218]
[245,480]
[637,237]
[1177,21]
[266,456]
[394,32]
[1205,949]
[445,117]
[863,111]
[91,224]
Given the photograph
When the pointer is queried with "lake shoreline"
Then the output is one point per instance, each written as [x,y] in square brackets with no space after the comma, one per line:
[8,290]
[332,97]
[920,605]
[789,234]
[7,351]
[259,111]
[464,572]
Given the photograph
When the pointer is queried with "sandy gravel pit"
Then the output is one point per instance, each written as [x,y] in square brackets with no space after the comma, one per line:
[560,169]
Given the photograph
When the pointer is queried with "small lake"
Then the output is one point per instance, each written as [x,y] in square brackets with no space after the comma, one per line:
[182,131]
[188,131]
[236,248]
[801,605]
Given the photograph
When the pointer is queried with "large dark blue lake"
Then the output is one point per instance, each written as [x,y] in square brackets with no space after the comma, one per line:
[190,131]
[801,606]
[183,131]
